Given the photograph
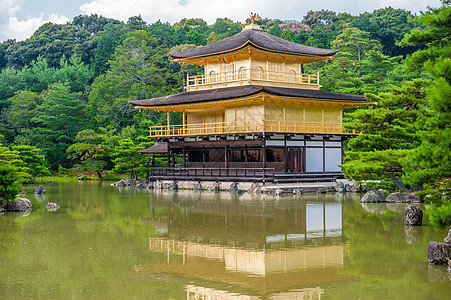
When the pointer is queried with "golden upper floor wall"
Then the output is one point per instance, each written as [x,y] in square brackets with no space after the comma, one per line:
[251,66]
[252,57]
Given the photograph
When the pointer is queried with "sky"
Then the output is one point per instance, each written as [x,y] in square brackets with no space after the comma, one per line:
[20,18]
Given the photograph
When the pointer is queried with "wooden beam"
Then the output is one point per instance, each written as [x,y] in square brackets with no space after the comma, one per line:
[216,143]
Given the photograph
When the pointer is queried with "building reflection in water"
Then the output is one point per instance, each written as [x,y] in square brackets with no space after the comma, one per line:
[253,248]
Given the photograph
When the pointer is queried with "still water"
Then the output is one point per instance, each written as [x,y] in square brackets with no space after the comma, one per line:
[123,243]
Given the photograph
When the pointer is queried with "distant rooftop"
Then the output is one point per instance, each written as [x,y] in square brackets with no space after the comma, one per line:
[257,38]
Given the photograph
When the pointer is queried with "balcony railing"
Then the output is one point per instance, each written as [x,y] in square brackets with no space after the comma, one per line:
[248,127]
[254,74]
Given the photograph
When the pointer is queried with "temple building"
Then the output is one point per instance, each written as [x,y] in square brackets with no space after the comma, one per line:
[253,115]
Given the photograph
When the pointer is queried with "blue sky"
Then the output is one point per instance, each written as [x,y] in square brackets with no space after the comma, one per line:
[20,18]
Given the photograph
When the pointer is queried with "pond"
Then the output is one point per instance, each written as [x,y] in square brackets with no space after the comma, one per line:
[124,243]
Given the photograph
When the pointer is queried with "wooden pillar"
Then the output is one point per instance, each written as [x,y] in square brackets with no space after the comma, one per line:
[173,159]
[184,124]
[226,161]
[169,158]
[324,155]
[169,122]
[246,155]
[153,164]
[184,156]
[203,156]
[285,156]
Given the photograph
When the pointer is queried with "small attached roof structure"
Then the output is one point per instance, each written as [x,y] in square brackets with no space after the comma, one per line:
[243,91]
[255,37]
[157,148]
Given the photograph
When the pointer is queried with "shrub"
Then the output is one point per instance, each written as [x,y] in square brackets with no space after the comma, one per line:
[440,216]
[10,183]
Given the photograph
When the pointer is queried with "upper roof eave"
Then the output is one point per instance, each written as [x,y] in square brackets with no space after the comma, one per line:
[249,43]
[258,39]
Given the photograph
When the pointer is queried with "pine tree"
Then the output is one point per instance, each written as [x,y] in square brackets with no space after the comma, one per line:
[388,134]
[432,160]
[60,117]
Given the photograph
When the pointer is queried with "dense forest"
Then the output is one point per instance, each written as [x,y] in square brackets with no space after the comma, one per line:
[64,92]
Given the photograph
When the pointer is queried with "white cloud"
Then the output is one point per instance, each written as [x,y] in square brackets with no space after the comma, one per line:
[415,6]
[23,29]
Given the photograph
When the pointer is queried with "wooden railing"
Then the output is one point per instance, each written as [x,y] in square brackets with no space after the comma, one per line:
[249,127]
[266,174]
[253,74]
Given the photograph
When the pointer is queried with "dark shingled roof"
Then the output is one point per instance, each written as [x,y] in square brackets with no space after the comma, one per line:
[259,39]
[242,91]
[156,148]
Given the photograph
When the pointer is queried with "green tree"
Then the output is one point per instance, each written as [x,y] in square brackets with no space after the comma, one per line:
[287,35]
[73,72]
[38,76]
[22,109]
[388,25]
[138,70]
[318,18]
[12,157]
[388,134]
[128,159]
[432,160]
[275,29]
[59,119]
[10,183]
[108,41]
[32,159]
[89,149]
[356,42]
[10,82]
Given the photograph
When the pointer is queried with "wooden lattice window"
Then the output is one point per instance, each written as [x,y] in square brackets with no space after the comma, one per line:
[291,75]
[259,73]
[212,76]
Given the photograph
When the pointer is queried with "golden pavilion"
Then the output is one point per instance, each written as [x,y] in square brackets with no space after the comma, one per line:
[253,115]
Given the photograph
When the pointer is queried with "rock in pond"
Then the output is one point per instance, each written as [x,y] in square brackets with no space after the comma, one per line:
[198,186]
[215,187]
[297,192]
[402,197]
[234,188]
[21,204]
[52,206]
[374,196]
[255,188]
[141,185]
[448,238]
[413,216]
[278,192]
[121,183]
[340,187]
[439,253]
[39,190]
[173,185]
